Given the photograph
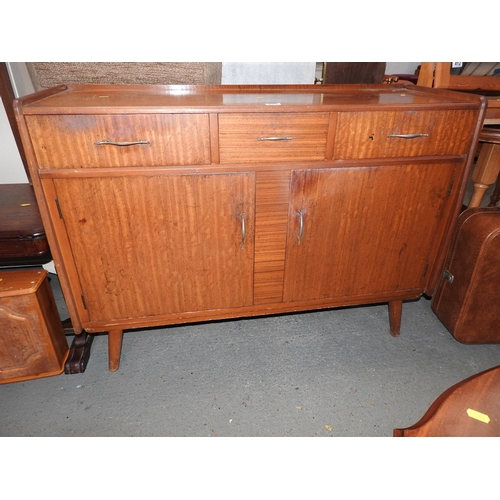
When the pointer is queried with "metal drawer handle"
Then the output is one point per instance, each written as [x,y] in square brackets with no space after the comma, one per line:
[125,143]
[407,136]
[275,139]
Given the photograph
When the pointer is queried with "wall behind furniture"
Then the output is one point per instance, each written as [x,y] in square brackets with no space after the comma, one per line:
[401,68]
[11,166]
[261,73]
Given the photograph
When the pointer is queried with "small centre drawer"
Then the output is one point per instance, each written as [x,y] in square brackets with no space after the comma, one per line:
[386,134]
[276,137]
[89,141]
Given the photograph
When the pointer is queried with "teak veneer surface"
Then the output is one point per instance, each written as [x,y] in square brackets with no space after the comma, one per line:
[227,98]
[174,139]
[230,201]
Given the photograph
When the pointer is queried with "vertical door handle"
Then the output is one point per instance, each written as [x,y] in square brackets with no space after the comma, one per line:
[243,231]
[301,226]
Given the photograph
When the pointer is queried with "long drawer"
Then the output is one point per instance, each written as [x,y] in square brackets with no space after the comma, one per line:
[257,137]
[87,141]
[384,134]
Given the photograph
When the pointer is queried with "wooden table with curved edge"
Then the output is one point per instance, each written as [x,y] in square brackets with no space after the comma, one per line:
[488,165]
[470,408]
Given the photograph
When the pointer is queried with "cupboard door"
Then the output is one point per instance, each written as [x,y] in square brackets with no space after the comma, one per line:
[363,230]
[160,244]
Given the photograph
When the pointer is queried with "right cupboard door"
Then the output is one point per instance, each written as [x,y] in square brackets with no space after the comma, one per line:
[367,230]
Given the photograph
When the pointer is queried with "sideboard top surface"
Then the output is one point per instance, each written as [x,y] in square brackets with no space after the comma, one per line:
[85,99]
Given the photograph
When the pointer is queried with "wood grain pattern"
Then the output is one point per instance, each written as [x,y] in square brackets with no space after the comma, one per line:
[271,225]
[239,137]
[141,99]
[343,209]
[69,141]
[187,228]
[153,236]
[365,134]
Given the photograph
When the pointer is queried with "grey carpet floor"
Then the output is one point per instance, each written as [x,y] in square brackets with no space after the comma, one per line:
[326,373]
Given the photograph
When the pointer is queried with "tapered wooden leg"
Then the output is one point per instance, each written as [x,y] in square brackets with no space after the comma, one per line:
[115,338]
[478,191]
[395,312]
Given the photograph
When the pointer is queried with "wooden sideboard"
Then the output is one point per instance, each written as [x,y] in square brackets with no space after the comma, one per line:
[173,204]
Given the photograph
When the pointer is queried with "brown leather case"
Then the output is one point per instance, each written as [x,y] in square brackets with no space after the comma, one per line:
[467,297]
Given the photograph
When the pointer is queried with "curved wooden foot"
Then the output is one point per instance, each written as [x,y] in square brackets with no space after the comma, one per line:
[115,338]
[395,312]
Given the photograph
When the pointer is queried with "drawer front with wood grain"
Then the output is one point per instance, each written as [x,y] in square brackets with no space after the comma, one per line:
[390,134]
[276,137]
[90,141]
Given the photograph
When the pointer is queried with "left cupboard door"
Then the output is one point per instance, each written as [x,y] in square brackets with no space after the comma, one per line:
[150,245]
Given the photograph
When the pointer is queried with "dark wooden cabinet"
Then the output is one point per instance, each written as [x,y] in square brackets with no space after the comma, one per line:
[173,204]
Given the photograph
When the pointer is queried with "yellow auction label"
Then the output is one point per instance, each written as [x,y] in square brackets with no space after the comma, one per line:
[478,416]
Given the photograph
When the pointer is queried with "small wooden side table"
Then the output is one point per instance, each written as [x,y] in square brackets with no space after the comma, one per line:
[470,408]
[32,340]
